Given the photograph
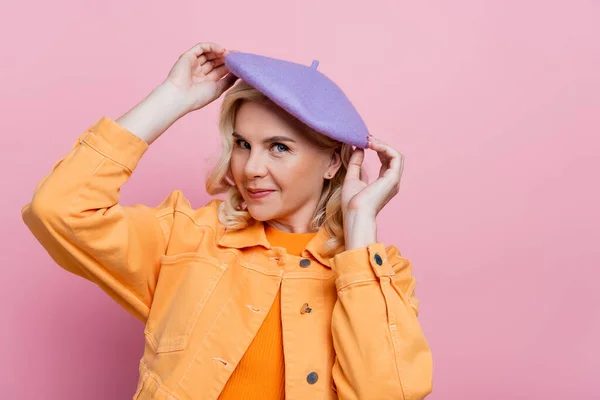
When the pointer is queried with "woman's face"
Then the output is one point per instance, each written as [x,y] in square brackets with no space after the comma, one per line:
[289,165]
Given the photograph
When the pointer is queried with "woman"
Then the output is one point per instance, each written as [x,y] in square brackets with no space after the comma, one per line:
[284,293]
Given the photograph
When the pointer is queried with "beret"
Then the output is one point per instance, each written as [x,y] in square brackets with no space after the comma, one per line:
[304,92]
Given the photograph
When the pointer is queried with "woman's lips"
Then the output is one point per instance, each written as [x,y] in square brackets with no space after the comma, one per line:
[259,195]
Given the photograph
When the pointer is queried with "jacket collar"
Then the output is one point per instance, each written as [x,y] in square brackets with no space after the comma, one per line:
[254,235]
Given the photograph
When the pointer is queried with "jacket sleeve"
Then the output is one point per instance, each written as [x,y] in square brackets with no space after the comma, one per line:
[381,352]
[76,216]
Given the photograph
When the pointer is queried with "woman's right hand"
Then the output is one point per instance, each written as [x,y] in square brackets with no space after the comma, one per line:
[200,75]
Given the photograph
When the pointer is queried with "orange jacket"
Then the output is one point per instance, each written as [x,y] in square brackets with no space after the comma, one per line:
[203,292]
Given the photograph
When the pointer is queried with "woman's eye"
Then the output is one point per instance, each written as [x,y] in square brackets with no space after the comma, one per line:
[237,142]
[282,147]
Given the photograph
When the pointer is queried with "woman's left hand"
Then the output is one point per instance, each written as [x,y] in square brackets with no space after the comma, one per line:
[360,197]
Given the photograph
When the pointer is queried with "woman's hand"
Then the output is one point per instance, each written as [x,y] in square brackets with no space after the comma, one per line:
[200,75]
[364,199]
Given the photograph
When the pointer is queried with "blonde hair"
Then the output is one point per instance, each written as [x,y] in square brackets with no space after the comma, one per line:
[232,214]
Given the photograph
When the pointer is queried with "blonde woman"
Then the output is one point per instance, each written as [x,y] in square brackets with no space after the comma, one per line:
[281,290]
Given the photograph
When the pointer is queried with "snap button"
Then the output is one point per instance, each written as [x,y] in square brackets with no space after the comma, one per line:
[305,262]
[312,378]
[378,259]
[305,309]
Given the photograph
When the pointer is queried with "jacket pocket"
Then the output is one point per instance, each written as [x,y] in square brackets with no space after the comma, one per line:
[184,284]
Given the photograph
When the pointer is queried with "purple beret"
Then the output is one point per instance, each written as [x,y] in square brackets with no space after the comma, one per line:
[304,92]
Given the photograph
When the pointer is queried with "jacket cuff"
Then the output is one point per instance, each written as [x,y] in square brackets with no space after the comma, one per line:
[361,264]
[115,142]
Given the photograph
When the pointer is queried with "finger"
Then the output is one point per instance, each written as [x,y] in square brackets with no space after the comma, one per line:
[205,47]
[218,62]
[355,163]
[225,83]
[395,167]
[401,164]
[391,161]
[383,149]
[218,73]
[378,148]
[207,67]
[209,56]
[211,65]
[204,58]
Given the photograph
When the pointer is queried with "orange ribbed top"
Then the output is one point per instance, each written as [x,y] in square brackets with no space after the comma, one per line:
[260,373]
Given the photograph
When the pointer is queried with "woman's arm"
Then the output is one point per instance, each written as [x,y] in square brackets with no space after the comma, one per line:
[76,216]
[156,113]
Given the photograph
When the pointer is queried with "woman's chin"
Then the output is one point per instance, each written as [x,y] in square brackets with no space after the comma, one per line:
[259,213]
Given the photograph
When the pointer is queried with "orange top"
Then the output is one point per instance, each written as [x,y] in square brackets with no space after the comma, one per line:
[260,373]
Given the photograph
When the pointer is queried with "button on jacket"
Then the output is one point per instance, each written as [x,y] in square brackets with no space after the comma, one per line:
[349,323]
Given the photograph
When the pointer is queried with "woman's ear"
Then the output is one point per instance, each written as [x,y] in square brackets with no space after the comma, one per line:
[335,162]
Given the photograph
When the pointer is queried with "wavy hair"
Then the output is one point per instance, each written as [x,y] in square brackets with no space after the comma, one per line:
[232,211]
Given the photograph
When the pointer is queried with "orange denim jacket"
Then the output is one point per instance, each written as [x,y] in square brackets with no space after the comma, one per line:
[203,292]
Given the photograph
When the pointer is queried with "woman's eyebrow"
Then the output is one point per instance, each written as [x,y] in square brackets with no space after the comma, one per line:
[268,140]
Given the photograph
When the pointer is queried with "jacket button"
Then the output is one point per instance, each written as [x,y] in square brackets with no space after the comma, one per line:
[305,309]
[378,259]
[305,262]
[312,378]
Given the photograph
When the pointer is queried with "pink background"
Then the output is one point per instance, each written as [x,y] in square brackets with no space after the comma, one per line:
[495,106]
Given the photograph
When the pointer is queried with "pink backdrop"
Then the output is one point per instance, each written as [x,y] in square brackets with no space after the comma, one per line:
[495,106]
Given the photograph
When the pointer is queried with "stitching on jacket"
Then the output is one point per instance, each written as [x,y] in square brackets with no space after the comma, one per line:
[106,156]
[356,281]
[165,230]
[309,275]
[260,270]
[256,310]
[194,220]
[157,382]
[394,335]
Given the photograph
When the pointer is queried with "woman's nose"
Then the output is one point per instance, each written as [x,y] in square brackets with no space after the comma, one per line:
[255,167]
